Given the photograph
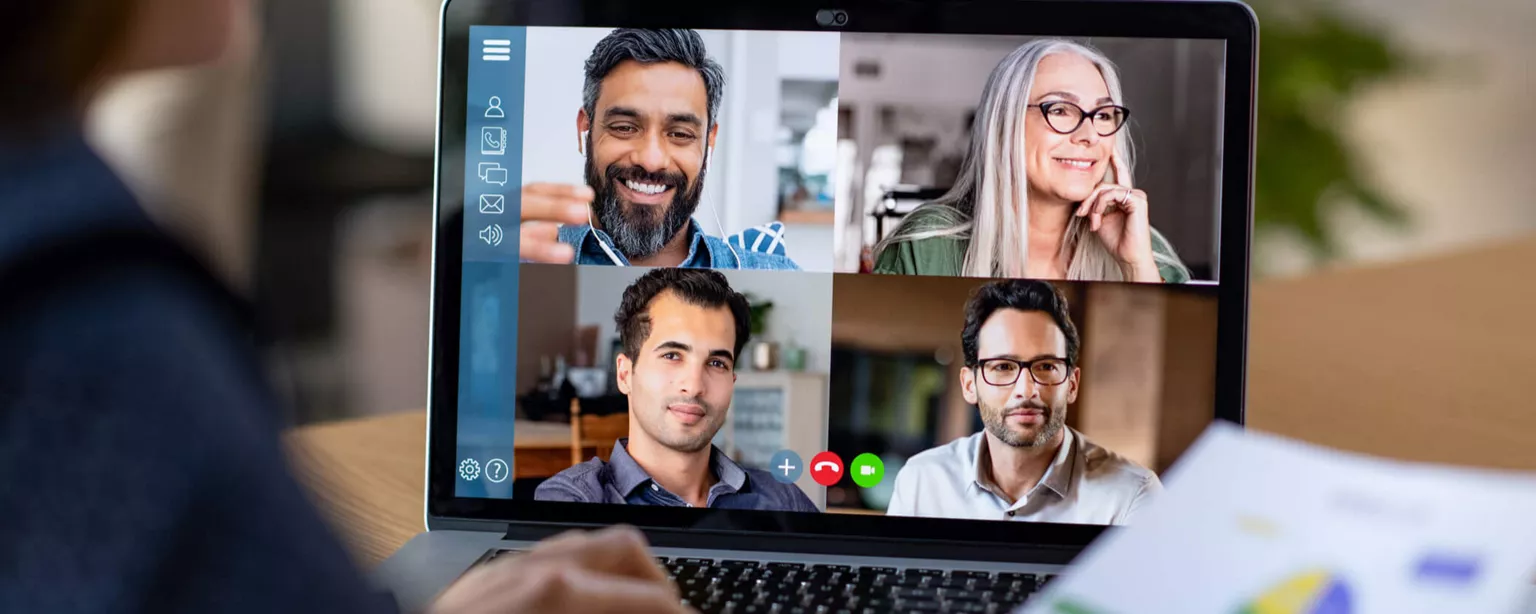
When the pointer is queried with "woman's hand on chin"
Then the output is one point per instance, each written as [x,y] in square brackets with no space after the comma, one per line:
[1117,214]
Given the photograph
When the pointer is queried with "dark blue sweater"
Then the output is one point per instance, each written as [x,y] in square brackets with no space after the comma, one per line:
[140,464]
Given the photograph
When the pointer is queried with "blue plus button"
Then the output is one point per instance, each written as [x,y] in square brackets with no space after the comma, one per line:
[786,466]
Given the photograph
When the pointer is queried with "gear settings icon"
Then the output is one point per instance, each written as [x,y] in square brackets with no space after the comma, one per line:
[469,469]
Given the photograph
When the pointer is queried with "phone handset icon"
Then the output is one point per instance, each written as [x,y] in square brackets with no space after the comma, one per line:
[826,468]
[493,141]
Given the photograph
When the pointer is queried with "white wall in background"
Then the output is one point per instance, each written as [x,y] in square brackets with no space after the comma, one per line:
[386,71]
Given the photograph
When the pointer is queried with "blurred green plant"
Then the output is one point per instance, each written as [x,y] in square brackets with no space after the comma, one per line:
[1312,62]
[761,309]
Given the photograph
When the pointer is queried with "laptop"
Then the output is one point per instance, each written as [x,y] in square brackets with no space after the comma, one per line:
[878,305]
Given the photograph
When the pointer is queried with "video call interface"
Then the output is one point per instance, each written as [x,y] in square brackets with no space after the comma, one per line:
[945,276]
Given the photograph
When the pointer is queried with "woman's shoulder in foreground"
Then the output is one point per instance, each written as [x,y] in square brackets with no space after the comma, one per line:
[933,255]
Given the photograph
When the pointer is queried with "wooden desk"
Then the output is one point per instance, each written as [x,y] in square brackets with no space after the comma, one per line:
[1430,360]
[368,473]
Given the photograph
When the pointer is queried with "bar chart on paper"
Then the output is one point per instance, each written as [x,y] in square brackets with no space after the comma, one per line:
[1253,524]
[1311,592]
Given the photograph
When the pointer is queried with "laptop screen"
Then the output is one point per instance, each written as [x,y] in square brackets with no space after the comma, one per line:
[944,276]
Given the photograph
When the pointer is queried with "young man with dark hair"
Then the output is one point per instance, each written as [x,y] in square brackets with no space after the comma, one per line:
[647,125]
[681,331]
[1021,371]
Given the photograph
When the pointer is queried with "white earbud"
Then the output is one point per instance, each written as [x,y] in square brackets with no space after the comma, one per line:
[709,156]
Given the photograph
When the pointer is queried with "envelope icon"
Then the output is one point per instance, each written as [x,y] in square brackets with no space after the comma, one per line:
[494,204]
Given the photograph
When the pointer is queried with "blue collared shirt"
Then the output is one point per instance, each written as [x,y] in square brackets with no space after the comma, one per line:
[622,480]
[704,251]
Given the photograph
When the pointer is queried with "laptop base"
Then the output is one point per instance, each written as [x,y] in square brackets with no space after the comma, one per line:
[431,561]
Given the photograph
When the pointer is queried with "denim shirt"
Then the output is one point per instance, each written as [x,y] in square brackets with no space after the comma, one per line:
[621,480]
[704,251]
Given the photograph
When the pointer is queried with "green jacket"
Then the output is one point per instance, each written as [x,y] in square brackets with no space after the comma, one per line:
[944,256]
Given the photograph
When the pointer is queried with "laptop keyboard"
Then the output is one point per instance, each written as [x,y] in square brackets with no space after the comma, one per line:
[751,587]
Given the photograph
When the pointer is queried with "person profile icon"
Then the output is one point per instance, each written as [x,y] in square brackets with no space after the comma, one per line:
[495,111]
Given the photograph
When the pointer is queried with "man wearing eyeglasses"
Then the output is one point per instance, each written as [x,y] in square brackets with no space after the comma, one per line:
[1021,356]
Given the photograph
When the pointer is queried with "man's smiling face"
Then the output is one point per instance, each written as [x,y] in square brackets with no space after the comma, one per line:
[646,152]
[681,380]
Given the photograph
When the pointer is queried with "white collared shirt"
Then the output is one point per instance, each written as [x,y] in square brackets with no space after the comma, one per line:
[1085,484]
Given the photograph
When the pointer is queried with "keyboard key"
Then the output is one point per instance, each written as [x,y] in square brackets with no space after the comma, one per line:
[919,606]
[785,566]
[733,576]
[866,590]
[1010,599]
[682,573]
[971,575]
[962,595]
[923,594]
[1010,576]
[877,570]
[859,575]
[781,597]
[927,573]
[826,575]
[841,568]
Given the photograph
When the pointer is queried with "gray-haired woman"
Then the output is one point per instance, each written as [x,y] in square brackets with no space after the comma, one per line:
[1045,191]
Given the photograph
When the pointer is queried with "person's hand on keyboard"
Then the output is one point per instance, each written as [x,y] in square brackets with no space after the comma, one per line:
[611,570]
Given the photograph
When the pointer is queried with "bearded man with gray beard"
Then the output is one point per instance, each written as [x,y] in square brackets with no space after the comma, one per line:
[1021,371]
[647,127]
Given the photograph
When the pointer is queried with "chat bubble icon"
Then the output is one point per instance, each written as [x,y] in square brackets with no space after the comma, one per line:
[492,172]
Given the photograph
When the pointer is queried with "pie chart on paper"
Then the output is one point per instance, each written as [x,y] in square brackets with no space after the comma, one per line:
[1312,592]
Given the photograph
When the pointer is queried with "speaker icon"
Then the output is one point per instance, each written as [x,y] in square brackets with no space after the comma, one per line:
[492,235]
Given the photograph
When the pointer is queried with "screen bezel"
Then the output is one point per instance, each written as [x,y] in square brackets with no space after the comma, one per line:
[1230,21]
